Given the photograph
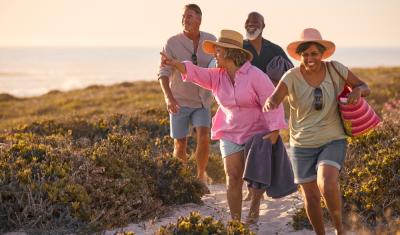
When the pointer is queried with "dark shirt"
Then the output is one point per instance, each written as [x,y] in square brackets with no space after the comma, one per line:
[272,60]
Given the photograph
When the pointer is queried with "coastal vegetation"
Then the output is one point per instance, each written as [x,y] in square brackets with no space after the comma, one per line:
[100,157]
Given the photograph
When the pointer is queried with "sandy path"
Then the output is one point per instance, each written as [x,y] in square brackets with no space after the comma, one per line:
[275,214]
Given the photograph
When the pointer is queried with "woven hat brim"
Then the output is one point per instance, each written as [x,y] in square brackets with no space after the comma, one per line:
[292,47]
[209,48]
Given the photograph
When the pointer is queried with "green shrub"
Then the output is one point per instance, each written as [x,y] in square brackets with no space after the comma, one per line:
[215,168]
[177,190]
[36,190]
[124,233]
[371,177]
[195,224]
[300,220]
[82,175]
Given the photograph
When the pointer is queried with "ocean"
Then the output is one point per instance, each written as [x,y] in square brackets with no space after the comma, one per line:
[36,71]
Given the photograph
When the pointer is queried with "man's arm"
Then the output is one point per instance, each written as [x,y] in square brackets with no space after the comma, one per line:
[172,104]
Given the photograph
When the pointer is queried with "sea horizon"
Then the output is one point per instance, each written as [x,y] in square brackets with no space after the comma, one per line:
[33,71]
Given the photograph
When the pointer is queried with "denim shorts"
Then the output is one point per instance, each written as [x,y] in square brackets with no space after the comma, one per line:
[180,121]
[228,147]
[305,161]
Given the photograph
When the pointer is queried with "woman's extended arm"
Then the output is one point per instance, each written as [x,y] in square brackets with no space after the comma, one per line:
[166,60]
[202,77]
[276,98]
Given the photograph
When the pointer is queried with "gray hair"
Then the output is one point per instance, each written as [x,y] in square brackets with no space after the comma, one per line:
[195,8]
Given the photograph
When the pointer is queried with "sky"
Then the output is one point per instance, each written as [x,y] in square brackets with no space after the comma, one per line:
[148,23]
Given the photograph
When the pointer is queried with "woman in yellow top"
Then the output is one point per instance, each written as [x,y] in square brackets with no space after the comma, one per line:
[317,139]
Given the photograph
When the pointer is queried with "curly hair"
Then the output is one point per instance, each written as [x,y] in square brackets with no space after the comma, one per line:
[238,56]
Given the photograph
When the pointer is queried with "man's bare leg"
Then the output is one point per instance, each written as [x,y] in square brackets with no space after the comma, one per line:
[180,149]
[202,152]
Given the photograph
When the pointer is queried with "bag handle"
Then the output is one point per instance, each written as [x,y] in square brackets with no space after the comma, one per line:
[340,75]
[330,75]
[336,95]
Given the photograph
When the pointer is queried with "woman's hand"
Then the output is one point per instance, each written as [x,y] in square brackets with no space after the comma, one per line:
[354,96]
[359,88]
[276,98]
[166,60]
[269,105]
[272,136]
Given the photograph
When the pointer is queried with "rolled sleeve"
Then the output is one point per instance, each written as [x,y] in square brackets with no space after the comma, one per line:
[165,71]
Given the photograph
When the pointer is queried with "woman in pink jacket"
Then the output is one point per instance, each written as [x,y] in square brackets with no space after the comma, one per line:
[240,90]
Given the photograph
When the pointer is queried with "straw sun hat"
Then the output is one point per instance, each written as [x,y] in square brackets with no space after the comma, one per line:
[228,39]
[311,35]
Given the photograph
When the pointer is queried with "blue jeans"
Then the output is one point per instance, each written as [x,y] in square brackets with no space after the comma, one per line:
[305,161]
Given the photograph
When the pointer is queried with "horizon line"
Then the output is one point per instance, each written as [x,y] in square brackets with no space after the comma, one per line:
[149,46]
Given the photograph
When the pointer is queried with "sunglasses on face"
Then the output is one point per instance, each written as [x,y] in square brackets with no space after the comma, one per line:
[317,99]
[194,59]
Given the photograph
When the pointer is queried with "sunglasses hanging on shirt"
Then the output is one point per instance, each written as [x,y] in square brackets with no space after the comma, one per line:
[194,59]
[318,99]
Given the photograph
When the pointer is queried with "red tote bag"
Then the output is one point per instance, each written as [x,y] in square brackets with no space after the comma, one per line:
[357,119]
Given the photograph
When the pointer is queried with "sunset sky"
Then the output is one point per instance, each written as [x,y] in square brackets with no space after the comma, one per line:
[96,23]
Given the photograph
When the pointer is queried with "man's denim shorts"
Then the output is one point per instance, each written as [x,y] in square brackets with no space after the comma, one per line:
[228,147]
[180,121]
[305,161]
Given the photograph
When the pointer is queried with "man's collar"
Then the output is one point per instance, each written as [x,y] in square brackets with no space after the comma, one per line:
[188,33]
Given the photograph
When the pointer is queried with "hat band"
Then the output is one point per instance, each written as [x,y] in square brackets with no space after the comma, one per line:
[231,41]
